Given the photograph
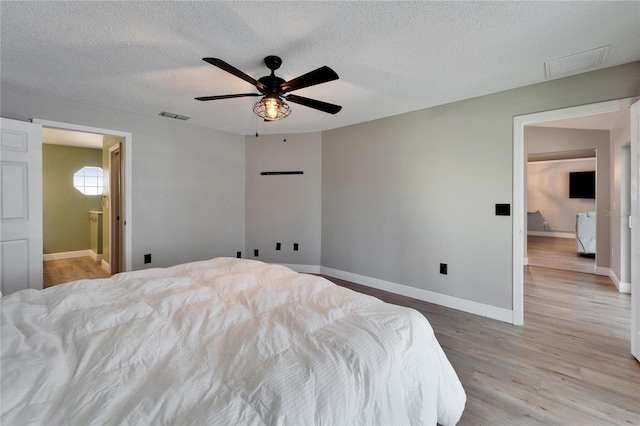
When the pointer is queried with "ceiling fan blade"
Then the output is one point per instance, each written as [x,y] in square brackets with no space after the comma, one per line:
[321,75]
[235,71]
[214,98]
[315,104]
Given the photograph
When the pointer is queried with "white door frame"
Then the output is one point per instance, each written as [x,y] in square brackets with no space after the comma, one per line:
[126,152]
[634,224]
[519,192]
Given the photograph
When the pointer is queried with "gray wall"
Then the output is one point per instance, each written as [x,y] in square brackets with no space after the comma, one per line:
[547,139]
[284,209]
[404,193]
[548,192]
[188,182]
[620,197]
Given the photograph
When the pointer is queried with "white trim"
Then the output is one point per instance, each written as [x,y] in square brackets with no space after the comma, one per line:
[127,174]
[66,255]
[525,261]
[621,286]
[625,288]
[600,270]
[518,221]
[303,269]
[469,306]
[563,159]
[95,256]
[519,161]
[106,266]
[554,234]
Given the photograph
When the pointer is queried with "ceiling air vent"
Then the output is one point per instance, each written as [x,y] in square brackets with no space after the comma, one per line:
[172,115]
[578,63]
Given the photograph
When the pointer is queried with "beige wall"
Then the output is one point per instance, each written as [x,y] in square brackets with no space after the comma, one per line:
[547,139]
[65,209]
[402,194]
[548,192]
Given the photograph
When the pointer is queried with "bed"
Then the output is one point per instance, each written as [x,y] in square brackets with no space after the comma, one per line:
[223,341]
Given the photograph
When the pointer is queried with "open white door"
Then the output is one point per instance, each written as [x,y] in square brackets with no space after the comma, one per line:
[634,223]
[20,206]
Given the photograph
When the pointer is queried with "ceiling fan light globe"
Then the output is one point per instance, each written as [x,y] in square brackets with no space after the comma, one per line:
[271,109]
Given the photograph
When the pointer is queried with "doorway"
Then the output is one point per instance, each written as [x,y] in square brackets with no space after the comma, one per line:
[72,183]
[519,200]
[81,187]
[124,203]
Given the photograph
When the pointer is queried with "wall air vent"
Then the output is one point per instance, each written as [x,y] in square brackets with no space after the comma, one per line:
[578,63]
[172,115]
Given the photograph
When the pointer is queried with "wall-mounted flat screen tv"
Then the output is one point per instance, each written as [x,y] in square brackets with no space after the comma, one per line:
[582,184]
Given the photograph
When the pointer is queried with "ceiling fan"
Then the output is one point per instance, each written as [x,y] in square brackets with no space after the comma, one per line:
[274,89]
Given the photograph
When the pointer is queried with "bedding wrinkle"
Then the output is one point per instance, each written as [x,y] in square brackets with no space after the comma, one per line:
[217,342]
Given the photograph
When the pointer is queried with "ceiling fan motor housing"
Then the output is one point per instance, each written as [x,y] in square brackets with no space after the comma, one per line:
[273,62]
[272,84]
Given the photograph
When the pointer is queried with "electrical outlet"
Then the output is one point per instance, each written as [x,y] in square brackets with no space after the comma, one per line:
[278,246]
[503,209]
[238,254]
[147,258]
[255,252]
[443,268]
[295,246]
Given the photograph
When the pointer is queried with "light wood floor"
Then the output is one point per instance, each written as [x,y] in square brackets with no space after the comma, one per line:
[557,253]
[570,364]
[64,270]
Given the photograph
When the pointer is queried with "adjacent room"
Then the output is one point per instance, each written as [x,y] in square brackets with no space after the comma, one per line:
[76,232]
[320,212]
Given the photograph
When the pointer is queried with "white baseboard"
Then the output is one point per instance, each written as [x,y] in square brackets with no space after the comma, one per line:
[620,285]
[303,269]
[106,266]
[469,306]
[95,256]
[525,262]
[554,234]
[66,255]
[599,270]
[624,287]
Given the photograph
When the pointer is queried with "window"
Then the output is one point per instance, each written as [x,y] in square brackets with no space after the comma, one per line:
[88,180]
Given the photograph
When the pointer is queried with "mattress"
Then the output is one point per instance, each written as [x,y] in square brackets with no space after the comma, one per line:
[224,341]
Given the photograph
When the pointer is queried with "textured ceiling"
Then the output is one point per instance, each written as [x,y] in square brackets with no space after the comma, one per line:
[392,57]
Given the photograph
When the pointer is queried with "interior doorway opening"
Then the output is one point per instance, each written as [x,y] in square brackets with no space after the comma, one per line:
[519,231]
[119,224]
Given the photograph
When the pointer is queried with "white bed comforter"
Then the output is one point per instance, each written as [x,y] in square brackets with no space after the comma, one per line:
[225,341]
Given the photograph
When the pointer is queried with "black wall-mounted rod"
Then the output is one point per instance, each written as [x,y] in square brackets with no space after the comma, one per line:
[281,173]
